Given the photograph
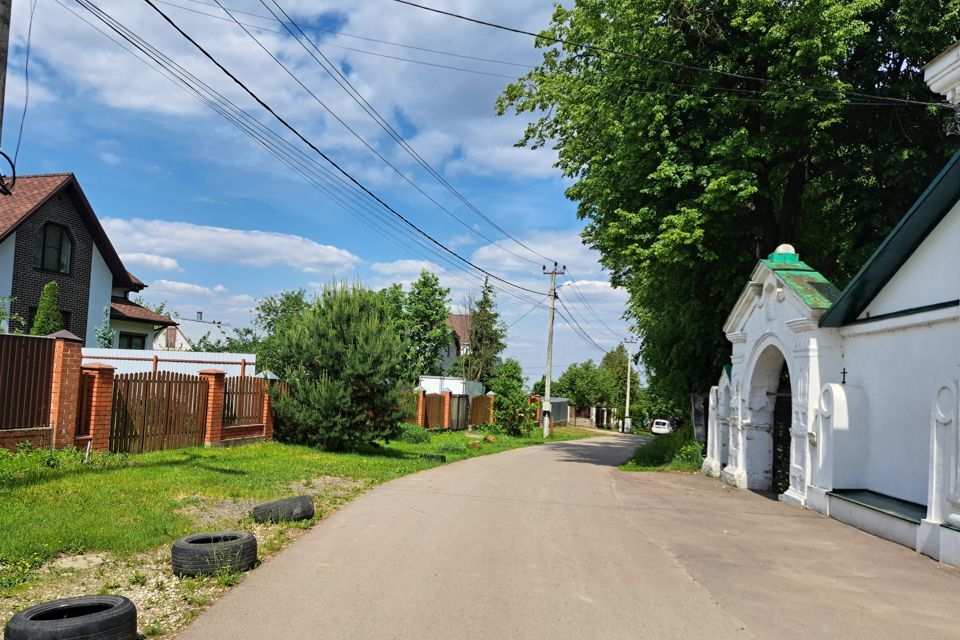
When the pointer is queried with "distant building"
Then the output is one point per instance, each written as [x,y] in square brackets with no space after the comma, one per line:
[187,334]
[459,324]
[49,232]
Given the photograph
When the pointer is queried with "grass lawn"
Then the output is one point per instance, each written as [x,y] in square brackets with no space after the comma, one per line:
[676,451]
[139,502]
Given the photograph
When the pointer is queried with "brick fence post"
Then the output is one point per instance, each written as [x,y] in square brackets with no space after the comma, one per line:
[65,388]
[213,430]
[421,406]
[101,404]
[267,412]
[447,402]
[493,398]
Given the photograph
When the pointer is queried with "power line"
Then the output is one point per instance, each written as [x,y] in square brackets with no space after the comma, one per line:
[327,158]
[535,306]
[671,63]
[290,155]
[26,82]
[583,333]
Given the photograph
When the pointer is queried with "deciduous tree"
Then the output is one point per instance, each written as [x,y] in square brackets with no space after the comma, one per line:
[687,177]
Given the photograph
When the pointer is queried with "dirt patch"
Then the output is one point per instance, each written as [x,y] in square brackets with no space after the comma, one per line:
[207,512]
[166,603]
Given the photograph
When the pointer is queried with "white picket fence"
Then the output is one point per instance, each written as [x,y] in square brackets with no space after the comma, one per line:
[192,362]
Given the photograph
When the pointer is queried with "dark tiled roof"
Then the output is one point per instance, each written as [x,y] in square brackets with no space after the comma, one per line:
[460,323]
[29,193]
[123,309]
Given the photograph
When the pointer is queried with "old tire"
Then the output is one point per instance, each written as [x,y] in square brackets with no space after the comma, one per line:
[212,553]
[82,618]
[295,508]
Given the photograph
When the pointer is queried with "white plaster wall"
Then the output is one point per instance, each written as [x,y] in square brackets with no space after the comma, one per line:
[127,326]
[897,362]
[160,342]
[929,276]
[101,286]
[6,270]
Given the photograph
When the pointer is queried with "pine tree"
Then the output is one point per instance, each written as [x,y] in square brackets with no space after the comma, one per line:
[48,319]
[487,336]
[344,362]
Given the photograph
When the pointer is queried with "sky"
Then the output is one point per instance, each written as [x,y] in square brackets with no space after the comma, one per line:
[212,222]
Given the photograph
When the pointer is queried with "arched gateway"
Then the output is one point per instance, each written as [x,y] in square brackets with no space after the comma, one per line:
[762,404]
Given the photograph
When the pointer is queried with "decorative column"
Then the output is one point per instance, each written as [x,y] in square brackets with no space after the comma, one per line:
[267,413]
[101,405]
[65,388]
[213,431]
[711,464]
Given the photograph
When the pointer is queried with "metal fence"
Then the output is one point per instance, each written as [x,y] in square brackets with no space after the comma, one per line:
[157,410]
[459,411]
[190,362]
[243,401]
[26,371]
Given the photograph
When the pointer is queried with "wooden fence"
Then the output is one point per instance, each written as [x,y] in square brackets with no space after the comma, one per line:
[158,410]
[26,372]
[243,401]
[434,411]
[480,409]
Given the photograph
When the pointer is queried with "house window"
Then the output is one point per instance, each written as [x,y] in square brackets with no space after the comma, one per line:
[133,341]
[171,335]
[53,249]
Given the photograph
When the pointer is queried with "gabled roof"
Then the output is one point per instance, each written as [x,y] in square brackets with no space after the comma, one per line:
[194,331]
[460,323]
[925,214]
[123,309]
[810,288]
[813,289]
[32,192]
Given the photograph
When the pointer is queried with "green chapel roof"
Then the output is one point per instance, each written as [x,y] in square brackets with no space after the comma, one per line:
[809,284]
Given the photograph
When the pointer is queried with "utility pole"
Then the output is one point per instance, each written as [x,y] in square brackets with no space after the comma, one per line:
[4,46]
[627,427]
[547,407]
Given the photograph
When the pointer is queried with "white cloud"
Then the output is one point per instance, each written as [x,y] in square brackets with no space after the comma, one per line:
[151,261]
[564,245]
[401,268]
[232,246]
[109,157]
[185,288]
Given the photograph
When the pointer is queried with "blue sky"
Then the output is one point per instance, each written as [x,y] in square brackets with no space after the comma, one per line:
[212,222]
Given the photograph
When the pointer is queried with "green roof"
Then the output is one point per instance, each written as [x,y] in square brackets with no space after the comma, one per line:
[809,284]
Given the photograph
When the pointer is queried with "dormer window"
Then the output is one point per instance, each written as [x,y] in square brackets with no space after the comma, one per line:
[53,249]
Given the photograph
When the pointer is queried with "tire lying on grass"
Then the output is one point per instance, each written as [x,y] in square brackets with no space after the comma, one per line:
[212,553]
[82,618]
[295,508]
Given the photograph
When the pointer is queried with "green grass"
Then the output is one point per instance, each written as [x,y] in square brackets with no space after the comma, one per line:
[676,451]
[131,503]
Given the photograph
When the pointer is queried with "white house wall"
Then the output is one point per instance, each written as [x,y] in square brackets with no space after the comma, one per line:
[101,287]
[6,271]
[929,276]
[900,361]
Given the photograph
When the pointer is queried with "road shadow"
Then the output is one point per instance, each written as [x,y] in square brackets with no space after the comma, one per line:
[605,453]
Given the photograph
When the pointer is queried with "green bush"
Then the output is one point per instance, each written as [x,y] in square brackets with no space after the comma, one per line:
[677,451]
[413,434]
[343,360]
[48,318]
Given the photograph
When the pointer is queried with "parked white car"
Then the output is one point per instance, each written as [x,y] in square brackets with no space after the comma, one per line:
[661,427]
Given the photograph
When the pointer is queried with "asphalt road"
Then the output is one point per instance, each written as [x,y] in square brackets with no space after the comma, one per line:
[553,542]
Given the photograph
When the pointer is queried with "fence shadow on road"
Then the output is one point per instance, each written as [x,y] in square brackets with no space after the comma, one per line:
[602,453]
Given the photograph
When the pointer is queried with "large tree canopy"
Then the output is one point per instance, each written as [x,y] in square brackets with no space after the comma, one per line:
[686,177]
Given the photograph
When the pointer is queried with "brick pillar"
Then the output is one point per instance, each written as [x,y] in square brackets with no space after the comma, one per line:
[101,405]
[422,408]
[267,413]
[447,402]
[65,388]
[493,399]
[213,432]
